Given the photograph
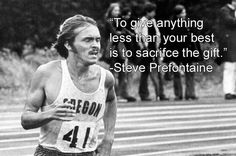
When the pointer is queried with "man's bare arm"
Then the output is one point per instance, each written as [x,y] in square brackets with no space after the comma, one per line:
[110,115]
[31,118]
[104,149]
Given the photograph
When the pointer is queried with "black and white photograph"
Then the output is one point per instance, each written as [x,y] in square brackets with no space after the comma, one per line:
[118,77]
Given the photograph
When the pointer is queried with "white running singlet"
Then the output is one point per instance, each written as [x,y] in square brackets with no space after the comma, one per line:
[80,134]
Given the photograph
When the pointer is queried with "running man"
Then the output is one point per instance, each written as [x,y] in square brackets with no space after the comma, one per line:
[74,95]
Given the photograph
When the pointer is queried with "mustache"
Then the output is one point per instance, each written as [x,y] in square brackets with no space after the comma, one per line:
[95,50]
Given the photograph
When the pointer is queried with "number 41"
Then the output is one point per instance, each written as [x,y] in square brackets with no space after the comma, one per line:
[74,139]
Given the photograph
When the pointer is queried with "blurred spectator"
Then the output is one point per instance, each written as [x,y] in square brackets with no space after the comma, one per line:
[112,12]
[122,86]
[126,15]
[179,11]
[156,77]
[227,40]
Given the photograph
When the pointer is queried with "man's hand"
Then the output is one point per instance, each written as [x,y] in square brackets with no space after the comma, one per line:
[104,148]
[62,112]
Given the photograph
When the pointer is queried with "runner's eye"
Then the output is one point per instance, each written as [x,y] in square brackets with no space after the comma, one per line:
[88,39]
[98,39]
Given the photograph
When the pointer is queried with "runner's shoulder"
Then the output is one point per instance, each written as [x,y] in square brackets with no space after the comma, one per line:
[47,69]
[110,80]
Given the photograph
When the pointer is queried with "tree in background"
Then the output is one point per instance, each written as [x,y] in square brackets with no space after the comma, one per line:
[39,19]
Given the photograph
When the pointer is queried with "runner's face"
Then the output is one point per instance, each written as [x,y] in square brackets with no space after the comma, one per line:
[87,44]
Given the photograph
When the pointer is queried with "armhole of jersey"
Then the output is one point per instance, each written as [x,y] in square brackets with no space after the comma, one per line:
[61,87]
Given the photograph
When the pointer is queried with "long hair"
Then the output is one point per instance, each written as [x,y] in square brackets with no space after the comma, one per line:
[110,9]
[66,32]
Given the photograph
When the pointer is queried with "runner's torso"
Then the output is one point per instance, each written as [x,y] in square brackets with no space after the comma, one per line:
[80,134]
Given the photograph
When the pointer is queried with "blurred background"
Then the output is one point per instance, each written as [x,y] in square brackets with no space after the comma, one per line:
[28,29]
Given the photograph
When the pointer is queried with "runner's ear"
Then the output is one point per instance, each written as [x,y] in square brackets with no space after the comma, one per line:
[68,47]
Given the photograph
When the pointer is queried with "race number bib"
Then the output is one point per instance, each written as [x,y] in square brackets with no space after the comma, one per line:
[76,136]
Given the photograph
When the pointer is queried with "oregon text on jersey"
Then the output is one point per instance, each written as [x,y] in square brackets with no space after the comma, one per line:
[85,107]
